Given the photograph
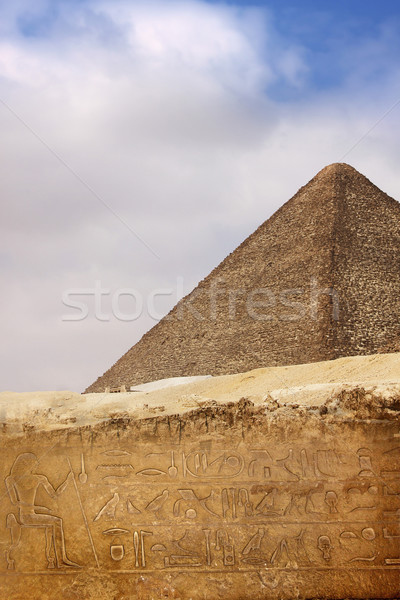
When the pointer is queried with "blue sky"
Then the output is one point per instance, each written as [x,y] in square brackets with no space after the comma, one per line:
[142,141]
[328,33]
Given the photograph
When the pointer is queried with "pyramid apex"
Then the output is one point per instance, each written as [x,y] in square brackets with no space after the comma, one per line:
[336,169]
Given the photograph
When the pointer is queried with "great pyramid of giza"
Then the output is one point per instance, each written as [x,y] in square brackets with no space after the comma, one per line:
[318,280]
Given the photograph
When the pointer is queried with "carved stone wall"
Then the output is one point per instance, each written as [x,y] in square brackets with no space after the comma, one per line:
[319,280]
[235,502]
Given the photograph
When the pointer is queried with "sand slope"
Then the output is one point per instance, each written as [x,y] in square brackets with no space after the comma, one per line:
[310,386]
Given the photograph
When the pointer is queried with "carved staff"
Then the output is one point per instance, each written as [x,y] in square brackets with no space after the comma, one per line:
[83,515]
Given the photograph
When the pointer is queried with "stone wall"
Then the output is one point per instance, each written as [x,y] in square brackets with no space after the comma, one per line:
[233,501]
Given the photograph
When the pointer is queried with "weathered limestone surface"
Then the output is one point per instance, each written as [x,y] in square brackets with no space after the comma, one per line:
[276,483]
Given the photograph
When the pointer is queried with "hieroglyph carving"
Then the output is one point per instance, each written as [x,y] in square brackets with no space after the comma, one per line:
[205,508]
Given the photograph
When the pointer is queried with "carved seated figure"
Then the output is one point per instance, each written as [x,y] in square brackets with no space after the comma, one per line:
[22,485]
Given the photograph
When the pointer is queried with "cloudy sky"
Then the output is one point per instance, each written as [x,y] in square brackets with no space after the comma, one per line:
[142,141]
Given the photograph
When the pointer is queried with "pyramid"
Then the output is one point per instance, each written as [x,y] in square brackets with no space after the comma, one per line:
[318,280]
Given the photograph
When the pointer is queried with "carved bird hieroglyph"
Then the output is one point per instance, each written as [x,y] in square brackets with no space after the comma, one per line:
[255,542]
[108,509]
[158,502]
